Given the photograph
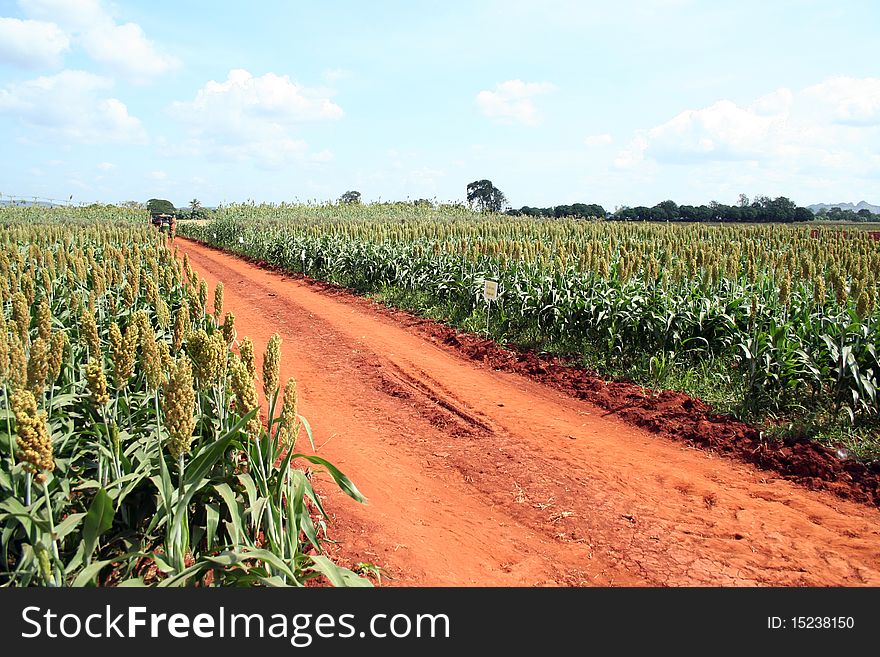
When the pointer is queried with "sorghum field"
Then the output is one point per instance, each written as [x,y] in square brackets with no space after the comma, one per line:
[546,439]
[134,449]
[773,323]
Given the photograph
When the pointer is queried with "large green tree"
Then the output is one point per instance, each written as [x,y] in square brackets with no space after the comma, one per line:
[351,196]
[160,206]
[485,196]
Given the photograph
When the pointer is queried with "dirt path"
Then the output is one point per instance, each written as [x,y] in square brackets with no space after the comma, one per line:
[480,477]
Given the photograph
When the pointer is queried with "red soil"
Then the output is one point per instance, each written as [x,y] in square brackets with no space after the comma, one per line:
[484,466]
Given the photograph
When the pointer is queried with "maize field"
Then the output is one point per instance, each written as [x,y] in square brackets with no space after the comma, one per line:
[132,444]
[782,319]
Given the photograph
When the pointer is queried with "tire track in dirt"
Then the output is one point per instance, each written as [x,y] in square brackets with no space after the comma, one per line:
[481,477]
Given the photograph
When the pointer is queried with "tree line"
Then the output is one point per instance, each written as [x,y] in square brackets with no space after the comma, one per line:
[482,195]
[844,214]
[761,210]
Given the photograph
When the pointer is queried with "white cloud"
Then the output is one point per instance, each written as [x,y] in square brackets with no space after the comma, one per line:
[852,101]
[158,175]
[125,50]
[73,106]
[122,49]
[32,44]
[70,14]
[598,140]
[511,101]
[254,118]
[832,126]
[106,166]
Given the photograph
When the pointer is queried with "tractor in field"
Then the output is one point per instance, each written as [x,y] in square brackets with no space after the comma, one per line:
[166,223]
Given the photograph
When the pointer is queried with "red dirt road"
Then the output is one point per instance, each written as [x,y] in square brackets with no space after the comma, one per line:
[482,477]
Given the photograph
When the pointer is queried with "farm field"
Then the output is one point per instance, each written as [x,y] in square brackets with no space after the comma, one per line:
[177,414]
[480,476]
[776,324]
[135,450]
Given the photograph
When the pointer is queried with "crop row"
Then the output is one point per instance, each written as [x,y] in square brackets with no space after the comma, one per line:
[792,315]
[132,444]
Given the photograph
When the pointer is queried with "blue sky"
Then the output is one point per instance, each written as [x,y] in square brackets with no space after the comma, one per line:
[555,101]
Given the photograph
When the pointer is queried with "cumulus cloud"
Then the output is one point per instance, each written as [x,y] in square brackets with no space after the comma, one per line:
[70,14]
[851,101]
[254,118]
[31,44]
[598,140]
[511,101]
[834,124]
[74,106]
[122,49]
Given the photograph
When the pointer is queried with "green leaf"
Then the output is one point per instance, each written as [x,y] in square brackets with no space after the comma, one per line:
[212,514]
[208,456]
[134,582]
[98,520]
[250,487]
[338,575]
[161,564]
[86,576]
[308,428]
[341,480]
[67,525]
[234,507]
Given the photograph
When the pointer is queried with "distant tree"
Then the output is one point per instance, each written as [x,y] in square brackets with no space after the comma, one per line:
[485,196]
[666,211]
[161,206]
[803,214]
[350,197]
[562,211]
[195,208]
[742,201]
[865,213]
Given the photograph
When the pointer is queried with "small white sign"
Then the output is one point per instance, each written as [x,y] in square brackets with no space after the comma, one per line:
[490,290]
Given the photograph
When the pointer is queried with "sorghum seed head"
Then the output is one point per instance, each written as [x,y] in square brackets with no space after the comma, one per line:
[4,347]
[163,314]
[178,407]
[21,315]
[290,424]
[203,295]
[38,366]
[97,382]
[246,398]
[218,300]
[182,326]
[229,328]
[165,355]
[34,444]
[89,333]
[17,375]
[58,347]
[271,365]
[44,320]
[246,349]
[151,361]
